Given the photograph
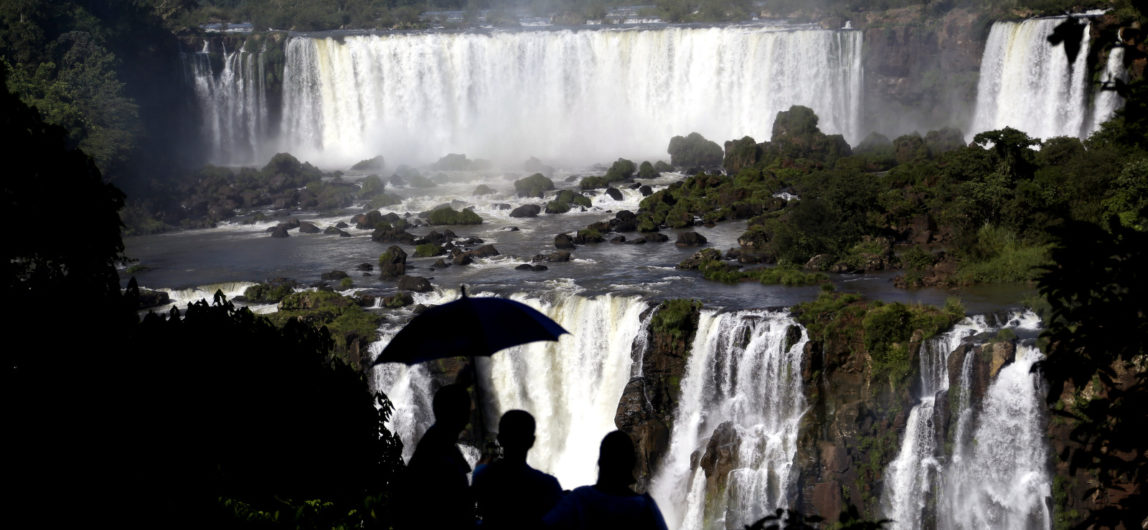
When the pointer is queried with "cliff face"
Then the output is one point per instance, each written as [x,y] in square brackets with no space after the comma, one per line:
[921,72]
[646,410]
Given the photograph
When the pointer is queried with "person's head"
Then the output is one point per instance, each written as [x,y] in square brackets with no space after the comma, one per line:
[516,431]
[616,460]
[452,407]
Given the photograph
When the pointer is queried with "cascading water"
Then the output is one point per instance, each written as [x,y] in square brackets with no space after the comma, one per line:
[911,477]
[743,380]
[995,478]
[572,387]
[233,105]
[1028,84]
[1002,480]
[1107,100]
[559,94]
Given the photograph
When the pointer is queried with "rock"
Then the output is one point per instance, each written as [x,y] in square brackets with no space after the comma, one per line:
[560,256]
[638,241]
[819,262]
[279,231]
[462,258]
[484,251]
[526,210]
[401,299]
[656,237]
[149,298]
[690,239]
[333,276]
[341,224]
[365,267]
[646,190]
[439,264]
[618,239]
[364,300]
[624,221]
[564,241]
[533,268]
[533,186]
[392,263]
[700,257]
[417,284]
[510,229]
[614,193]
[1002,353]
[501,206]
[308,228]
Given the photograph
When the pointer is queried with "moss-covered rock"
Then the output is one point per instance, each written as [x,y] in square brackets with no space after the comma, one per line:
[392,263]
[694,151]
[352,327]
[535,185]
[450,216]
[270,292]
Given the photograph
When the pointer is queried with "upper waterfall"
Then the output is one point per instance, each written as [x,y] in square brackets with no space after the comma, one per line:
[1029,84]
[560,94]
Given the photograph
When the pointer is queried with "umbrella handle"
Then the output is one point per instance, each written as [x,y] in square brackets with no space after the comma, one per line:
[480,426]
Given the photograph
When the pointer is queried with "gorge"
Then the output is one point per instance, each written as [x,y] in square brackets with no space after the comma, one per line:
[737,407]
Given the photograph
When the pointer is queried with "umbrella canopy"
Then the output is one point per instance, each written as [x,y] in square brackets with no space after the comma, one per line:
[468,327]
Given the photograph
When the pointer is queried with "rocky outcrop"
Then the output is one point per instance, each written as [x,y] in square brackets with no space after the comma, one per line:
[648,402]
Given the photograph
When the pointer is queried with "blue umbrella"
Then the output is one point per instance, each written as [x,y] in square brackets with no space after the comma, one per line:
[468,327]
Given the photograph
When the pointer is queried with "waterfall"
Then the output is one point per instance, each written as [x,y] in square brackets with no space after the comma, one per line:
[572,387]
[233,105]
[743,382]
[1028,84]
[1107,101]
[1003,480]
[995,478]
[571,95]
[910,477]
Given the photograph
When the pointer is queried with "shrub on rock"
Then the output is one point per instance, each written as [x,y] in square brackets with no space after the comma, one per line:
[694,151]
[535,185]
[450,216]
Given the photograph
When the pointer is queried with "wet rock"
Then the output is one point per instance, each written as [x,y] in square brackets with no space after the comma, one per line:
[646,190]
[333,276]
[656,237]
[625,221]
[484,251]
[279,231]
[439,264]
[401,299]
[690,239]
[462,258]
[341,224]
[526,210]
[365,267]
[149,298]
[392,263]
[702,256]
[563,241]
[618,239]
[417,284]
[308,228]
[614,193]
[1002,354]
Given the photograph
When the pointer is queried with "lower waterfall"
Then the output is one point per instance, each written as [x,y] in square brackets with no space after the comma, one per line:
[995,474]
[742,391]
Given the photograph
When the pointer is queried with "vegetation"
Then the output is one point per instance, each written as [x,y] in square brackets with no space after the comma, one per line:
[450,216]
[694,151]
[533,186]
[674,316]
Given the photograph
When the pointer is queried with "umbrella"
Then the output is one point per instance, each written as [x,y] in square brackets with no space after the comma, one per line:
[468,327]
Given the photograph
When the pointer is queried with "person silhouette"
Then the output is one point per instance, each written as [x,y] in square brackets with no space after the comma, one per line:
[510,493]
[609,503]
[433,491]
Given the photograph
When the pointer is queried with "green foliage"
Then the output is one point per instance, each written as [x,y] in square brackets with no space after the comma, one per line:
[450,216]
[348,323]
[694,151]
[269,293]
[533,186]
[427,250]
[346,283]
[646,171]
[673,317]
[998,257]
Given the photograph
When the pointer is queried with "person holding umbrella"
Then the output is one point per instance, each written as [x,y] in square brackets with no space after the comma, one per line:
[433,491]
